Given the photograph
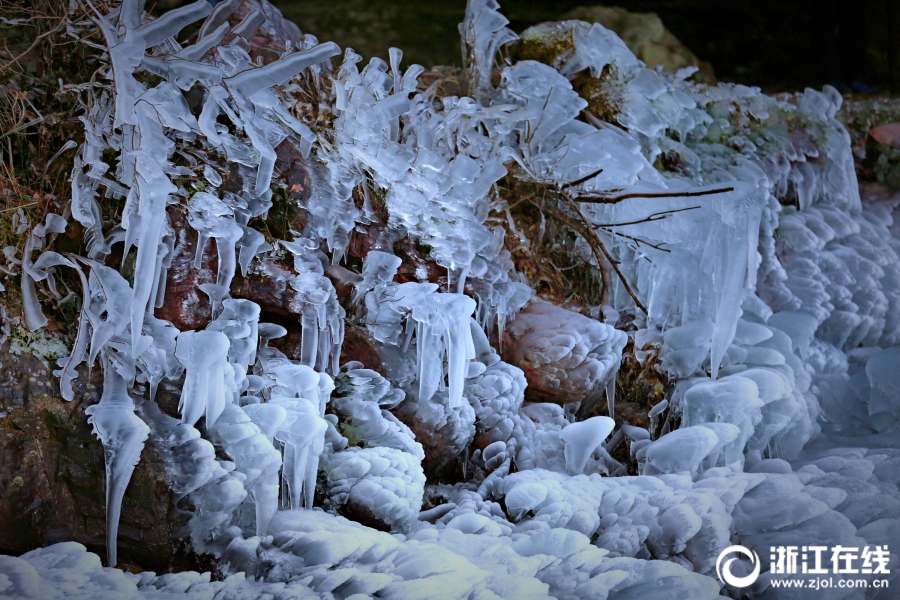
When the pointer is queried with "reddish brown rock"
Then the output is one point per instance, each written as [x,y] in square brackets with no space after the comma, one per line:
[362,347]
[266,284]
[566,357]
[444,432]
[289,162]
[363,240]
[184,304]
[343,281]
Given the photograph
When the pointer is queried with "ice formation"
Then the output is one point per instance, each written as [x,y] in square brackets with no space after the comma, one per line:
[771,285]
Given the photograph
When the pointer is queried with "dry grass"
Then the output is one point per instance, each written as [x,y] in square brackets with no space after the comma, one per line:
[37,117]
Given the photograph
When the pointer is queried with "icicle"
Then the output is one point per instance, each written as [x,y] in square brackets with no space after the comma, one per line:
[209,382]
[483,33]
[34,316]
[303,443]
[123,435]
[309,337]
[611,395]
[378,267]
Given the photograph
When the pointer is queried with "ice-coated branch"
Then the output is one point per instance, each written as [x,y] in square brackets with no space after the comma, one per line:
[586,233]
[218,17]
[172,22]
[250,24]
[252,80]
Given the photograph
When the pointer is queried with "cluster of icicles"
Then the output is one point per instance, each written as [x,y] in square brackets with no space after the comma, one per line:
[231,378]
[755,328]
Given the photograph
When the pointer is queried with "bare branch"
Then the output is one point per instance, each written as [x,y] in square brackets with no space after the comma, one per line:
[600,199]
[650,219]
[581,180]
[639,240]
[581,230]
[615,265]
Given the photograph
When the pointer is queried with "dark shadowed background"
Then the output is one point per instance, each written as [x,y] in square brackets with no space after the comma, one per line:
[779,45]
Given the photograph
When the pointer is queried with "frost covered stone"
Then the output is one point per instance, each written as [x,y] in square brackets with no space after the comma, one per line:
[770,286]
[380,487]
[566,357]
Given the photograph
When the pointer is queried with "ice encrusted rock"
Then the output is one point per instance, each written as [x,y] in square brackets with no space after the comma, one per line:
[867,394]
[681,451]
[359,397]
[771,283]
[642,516]
[496,391]
[380,487]
[444,431]
[344,559]
[566,357]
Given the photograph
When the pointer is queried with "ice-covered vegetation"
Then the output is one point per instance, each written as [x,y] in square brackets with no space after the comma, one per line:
[729,234]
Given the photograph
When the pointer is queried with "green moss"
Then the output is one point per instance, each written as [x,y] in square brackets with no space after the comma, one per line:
[354,438]
[859,115]
[342,385]
[423,249]
[128,266]
[887,165]
[602,95]
[40,344]
[549,43]
[284,215]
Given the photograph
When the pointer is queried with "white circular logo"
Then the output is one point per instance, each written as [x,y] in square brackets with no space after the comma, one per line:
[724,572]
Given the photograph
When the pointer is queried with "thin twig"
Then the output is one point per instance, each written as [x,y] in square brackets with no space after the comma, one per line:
[33,45]
[22,127]
[584,233]
[18,207]
[639,240]
[615,265]
[581,180]
[650,219]
[598,199]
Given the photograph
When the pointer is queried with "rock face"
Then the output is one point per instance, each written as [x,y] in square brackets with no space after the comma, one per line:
[52,480]
[184,304]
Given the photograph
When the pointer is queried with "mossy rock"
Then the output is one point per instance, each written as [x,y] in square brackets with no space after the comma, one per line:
[550,43]
[647,37]
[52,472]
